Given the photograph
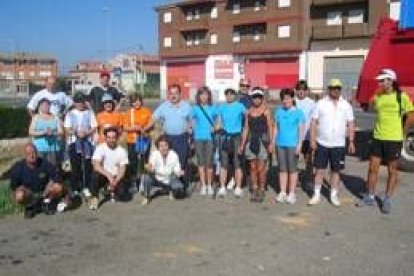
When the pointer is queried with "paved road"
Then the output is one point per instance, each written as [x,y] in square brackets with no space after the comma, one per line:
[200,236]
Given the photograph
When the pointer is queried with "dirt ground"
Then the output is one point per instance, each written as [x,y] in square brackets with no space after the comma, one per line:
[202,236]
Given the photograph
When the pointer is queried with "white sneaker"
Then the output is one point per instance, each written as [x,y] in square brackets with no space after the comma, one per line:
[61,207]
[335,201]
[238,192]
[93,204]
[210,190]
[203,190]
[291,199]
[145,201]
[314,200]
[222,192]
[231,184]
[281,197]
[171,196]
[86,193]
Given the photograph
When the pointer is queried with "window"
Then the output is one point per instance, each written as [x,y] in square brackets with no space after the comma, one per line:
[167,17]
[213,39]
[283,3]
[395,7]
[196,14]
[283,31]
[236,8]
[189,15]
[236,37]
[214,12]
[257,5]
[167,42]
[334,18]
[188,41]
[356,16]
[197,39]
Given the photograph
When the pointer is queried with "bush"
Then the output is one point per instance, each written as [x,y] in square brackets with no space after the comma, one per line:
[14,122]
[7,205]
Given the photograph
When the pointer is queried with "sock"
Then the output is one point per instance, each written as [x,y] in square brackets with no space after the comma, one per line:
[317,189]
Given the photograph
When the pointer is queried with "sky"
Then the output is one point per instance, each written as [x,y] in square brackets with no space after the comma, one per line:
[73,30]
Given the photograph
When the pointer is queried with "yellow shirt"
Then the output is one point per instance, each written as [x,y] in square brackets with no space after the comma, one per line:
[388,123]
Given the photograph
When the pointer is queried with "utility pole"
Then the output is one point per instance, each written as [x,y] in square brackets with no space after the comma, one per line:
[107,13]
[141,69]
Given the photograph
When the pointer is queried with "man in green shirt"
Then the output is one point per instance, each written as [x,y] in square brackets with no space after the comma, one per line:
[390,104]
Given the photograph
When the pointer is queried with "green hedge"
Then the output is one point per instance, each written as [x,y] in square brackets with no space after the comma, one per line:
[14,122]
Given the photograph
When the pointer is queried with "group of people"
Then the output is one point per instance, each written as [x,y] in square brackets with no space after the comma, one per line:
[236,138]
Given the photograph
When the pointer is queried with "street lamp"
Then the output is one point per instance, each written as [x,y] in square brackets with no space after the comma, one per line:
[107,13]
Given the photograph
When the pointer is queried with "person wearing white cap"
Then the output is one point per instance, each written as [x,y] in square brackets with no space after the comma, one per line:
[108,117]
[257,142]
[332,120]
[390,104]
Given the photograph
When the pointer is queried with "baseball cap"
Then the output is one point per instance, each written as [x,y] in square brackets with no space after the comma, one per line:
[79,97]
[386,74]
[335,83]
[107,98]
[104,74]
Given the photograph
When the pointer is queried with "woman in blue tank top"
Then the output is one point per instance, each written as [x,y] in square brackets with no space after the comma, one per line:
[45,129]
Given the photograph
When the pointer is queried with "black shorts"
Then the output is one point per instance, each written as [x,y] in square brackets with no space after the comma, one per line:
[335,157]
[386,150]
[306,148]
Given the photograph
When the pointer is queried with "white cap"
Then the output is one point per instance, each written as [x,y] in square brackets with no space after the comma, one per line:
[257,91]
[386,74]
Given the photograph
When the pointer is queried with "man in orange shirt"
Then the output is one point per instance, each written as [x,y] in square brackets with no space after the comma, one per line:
[108,117]
[137,122]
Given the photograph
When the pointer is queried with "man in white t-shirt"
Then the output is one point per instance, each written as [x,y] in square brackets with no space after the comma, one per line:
[59,101]
[109,163]
[164,170]
[307,105]
[332,120]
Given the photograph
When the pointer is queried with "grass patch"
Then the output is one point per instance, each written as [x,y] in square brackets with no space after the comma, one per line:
[7,205]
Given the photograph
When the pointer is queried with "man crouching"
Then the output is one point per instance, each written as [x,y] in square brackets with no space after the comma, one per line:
[109,164]
[35,183]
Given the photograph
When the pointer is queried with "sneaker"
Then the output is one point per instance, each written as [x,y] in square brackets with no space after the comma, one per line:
[367,200]
[334,200]
[210,190]
[386,205]
[86,193]
[93,203]
[291,199]
[231,184]
[203,191]
[314,200]
[281,197]
[238,192]
[171,196]
[222,192]
[61,207]
[112,198]
[145,201]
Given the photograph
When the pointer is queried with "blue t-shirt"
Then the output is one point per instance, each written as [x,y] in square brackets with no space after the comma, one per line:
[288,122]
[232,115]
[174,118]
[202,126]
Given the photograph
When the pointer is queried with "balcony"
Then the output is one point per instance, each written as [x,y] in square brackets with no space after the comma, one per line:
[201,23]
[334,2]
[327,32]
[355,30]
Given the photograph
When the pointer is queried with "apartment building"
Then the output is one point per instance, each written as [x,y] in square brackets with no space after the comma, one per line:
[340,39]
[19,69]
[217,42]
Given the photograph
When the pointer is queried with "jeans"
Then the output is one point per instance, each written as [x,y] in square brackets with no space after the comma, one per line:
[175,185]
[81,170]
